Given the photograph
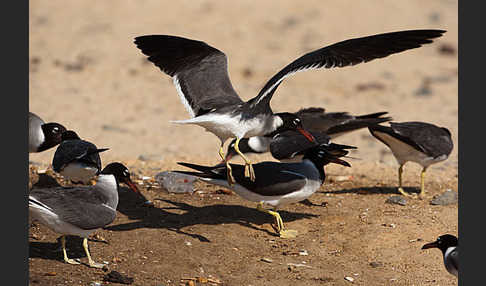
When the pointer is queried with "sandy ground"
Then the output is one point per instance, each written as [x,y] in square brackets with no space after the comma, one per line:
[86,73]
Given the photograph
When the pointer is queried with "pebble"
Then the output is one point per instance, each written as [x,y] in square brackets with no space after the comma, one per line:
[268,260]
[117,277]
[114,128]
[424,90]
[175,182]
[298,265]
[150,157]
[303,252]
[448,197]
[350,279]
[376,264]
[397,200]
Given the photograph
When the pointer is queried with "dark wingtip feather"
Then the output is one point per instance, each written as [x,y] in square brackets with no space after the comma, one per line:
[172,53]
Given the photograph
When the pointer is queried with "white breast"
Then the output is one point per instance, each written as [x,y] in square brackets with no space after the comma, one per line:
[226,126]
[79,172]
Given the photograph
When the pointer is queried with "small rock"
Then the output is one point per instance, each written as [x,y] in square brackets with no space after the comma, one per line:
[350,279]
[303,252]
[448,197]
[107,127]
[175,182]
[397,200]
[268,260]
[424,90]
[150,157]
[117,260]
[434,17]
[376,264]
[117,277]
[247,72]
[342,178]
[95,283]
[369,86]
[447,49]
[298,265]
[52,273]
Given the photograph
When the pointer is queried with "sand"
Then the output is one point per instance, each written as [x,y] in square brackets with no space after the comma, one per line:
[86,73]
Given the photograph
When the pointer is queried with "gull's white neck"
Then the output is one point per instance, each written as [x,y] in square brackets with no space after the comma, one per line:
[259,144]
[107,185]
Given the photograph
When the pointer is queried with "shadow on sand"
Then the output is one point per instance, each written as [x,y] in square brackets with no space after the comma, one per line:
[132,205]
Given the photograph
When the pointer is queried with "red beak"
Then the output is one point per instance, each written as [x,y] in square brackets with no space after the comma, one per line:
[306,134]
[131,185]
[228,156]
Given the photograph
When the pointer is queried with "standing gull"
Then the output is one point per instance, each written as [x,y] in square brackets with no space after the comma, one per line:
[200,75]
[80,210]
[419,142]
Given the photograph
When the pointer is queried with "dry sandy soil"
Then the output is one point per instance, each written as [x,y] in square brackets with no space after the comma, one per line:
[86,73]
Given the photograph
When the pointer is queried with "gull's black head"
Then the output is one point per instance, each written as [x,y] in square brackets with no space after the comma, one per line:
[52,133]
[443,242]
[121,174]
[290,121]
[69,135]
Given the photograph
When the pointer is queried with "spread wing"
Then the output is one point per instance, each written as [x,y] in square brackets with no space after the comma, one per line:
[199,71]
[349,52]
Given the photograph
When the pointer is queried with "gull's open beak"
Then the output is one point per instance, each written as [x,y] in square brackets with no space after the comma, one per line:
[340,162]
[131,185]
[307,134]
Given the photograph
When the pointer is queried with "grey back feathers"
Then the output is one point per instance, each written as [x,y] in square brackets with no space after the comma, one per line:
[428,138]
[82,207]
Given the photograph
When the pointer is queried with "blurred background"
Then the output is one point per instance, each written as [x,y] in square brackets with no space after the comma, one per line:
[86,73]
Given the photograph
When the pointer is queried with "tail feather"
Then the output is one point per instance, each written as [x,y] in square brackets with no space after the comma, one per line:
[372,115]
[362,121]
[197,174]
[213,172]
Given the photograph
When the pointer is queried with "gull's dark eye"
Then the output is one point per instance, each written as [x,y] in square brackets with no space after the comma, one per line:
[55,129]
[296,121]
